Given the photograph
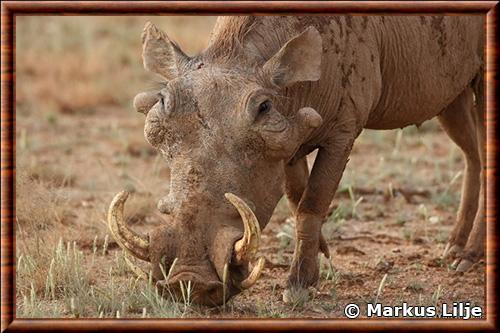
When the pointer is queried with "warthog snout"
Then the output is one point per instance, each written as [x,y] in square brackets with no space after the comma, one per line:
[206,281]
[190,287]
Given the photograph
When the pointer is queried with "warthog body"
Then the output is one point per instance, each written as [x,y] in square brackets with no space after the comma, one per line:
[241,117]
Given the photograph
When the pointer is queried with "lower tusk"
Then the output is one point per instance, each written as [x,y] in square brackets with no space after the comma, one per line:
[136,269]
[254,274]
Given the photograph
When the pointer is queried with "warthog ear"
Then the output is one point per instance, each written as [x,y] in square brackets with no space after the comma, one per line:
[298,60]
[160,55]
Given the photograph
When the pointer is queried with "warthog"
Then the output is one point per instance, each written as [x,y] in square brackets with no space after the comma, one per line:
[236,122]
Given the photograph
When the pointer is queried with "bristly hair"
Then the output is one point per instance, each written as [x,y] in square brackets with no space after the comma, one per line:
[247,40]
[227,36]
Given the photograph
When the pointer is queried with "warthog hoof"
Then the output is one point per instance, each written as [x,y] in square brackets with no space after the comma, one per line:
[451,251]
[466,260]
[462,265]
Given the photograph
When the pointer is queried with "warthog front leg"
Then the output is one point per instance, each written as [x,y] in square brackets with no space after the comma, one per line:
[295,182]
[313,207]
[296,176]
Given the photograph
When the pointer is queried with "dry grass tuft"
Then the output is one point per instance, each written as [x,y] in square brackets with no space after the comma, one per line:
[38,207]
[52,175]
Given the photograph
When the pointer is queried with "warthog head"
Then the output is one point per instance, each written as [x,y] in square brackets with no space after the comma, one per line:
[217,123]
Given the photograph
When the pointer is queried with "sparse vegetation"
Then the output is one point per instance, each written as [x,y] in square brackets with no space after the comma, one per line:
[69,287]
[415,286]
[40,206]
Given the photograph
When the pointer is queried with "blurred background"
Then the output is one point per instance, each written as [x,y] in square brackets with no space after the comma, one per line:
[79,142]
[77,65]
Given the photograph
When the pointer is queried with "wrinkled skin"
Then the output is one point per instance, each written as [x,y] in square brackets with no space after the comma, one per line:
[241,116]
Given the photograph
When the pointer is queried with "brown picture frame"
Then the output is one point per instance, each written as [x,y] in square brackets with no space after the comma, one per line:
[11,9]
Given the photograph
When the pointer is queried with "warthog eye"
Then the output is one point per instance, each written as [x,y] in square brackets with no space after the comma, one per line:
[165,103]
[162,102]
[265,106]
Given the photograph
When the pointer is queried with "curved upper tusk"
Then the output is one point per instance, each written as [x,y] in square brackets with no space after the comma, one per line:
[254,274]
[130,241]
[246,248]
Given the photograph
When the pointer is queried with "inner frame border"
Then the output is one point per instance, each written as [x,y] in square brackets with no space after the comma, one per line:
[9,11]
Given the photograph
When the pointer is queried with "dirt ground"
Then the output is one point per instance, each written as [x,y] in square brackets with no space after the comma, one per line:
[79,142]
